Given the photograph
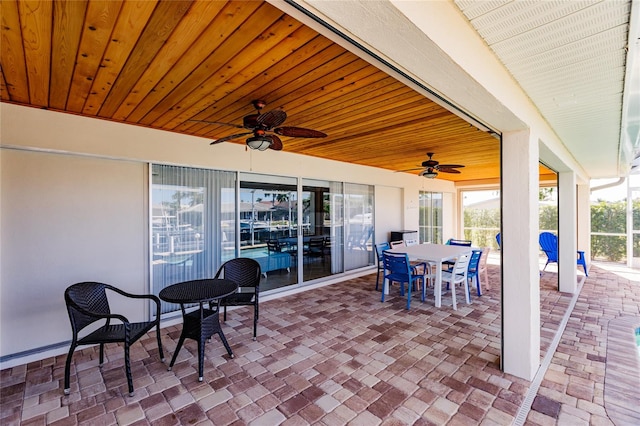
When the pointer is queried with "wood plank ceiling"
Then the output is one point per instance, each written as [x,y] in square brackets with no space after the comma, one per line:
[161,64]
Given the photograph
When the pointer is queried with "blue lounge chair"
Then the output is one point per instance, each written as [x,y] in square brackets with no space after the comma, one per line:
[549,245]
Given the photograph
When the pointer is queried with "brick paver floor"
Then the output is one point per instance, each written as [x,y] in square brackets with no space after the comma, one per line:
[336,355]
[594,376]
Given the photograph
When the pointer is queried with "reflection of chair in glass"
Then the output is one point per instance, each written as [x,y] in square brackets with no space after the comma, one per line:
[359,240]
[381,247]
[549,245]
[289,246]
[273,247]
[367,235]
[315,249]
[246,273]
[327,246]
[398,269]
[87,304]
[458,275]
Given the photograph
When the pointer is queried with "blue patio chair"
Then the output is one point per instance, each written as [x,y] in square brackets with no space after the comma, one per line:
[456,242]
[582,261]
[473,270]
[448,264]
[499,240]
[549,245]
[398,269]
[381,247]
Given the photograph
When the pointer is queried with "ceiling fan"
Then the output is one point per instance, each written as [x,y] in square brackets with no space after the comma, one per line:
[431,168]
[262,126]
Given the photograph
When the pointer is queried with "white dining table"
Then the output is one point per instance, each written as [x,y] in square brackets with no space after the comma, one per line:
[432,253]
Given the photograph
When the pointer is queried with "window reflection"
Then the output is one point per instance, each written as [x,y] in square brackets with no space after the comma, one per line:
[192,224]
[430,221]
[268,211]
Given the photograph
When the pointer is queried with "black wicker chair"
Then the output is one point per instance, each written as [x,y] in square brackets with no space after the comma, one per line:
[246,273]
[87,304]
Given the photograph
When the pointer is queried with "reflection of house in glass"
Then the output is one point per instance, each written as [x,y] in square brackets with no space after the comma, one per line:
[264,220]
[177,232]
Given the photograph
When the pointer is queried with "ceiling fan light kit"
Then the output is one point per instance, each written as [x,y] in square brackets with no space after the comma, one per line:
[429,173]
[261,143]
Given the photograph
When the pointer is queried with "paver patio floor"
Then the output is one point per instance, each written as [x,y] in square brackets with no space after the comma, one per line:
[337,355]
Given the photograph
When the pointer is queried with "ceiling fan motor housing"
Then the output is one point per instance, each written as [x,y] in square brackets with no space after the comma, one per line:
[250,121]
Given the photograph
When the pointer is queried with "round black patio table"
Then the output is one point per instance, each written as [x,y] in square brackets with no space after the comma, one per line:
[202,323]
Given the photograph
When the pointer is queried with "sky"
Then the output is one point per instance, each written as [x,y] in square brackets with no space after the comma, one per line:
[615,193]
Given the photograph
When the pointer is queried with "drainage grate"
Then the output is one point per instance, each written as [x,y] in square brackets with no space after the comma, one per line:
[525,407]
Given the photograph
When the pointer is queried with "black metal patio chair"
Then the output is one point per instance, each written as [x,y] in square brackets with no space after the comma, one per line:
[87,304]
[246,273]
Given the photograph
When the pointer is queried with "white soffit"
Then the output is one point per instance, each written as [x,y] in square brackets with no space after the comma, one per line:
[570,58]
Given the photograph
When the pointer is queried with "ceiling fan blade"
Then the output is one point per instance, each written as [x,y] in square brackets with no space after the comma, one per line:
[271,118]
[217,123]
[409,170]
[227,138]
[450,166]
[299,132]
[276,143]
[446,170]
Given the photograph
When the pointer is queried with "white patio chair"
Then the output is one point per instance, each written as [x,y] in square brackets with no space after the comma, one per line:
[458,275]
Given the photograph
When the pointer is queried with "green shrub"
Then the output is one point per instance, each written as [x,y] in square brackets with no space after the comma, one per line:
[481,226]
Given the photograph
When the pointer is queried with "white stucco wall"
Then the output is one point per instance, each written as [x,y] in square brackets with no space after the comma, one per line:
[388,211]
[74,192]
[68,219]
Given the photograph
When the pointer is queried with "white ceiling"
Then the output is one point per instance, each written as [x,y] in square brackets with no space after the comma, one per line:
[575,60]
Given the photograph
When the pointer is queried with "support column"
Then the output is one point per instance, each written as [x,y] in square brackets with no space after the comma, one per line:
[567,232]
[520,270]
[584,220]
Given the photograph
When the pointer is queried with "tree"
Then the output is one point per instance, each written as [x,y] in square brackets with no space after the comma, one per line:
[546,194]
[607,217]
[548,216]
[481,226]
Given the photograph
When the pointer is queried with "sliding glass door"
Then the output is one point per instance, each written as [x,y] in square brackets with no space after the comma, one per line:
[297,230]
[268,212]
[358,225]
[192,224]
[323,237]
